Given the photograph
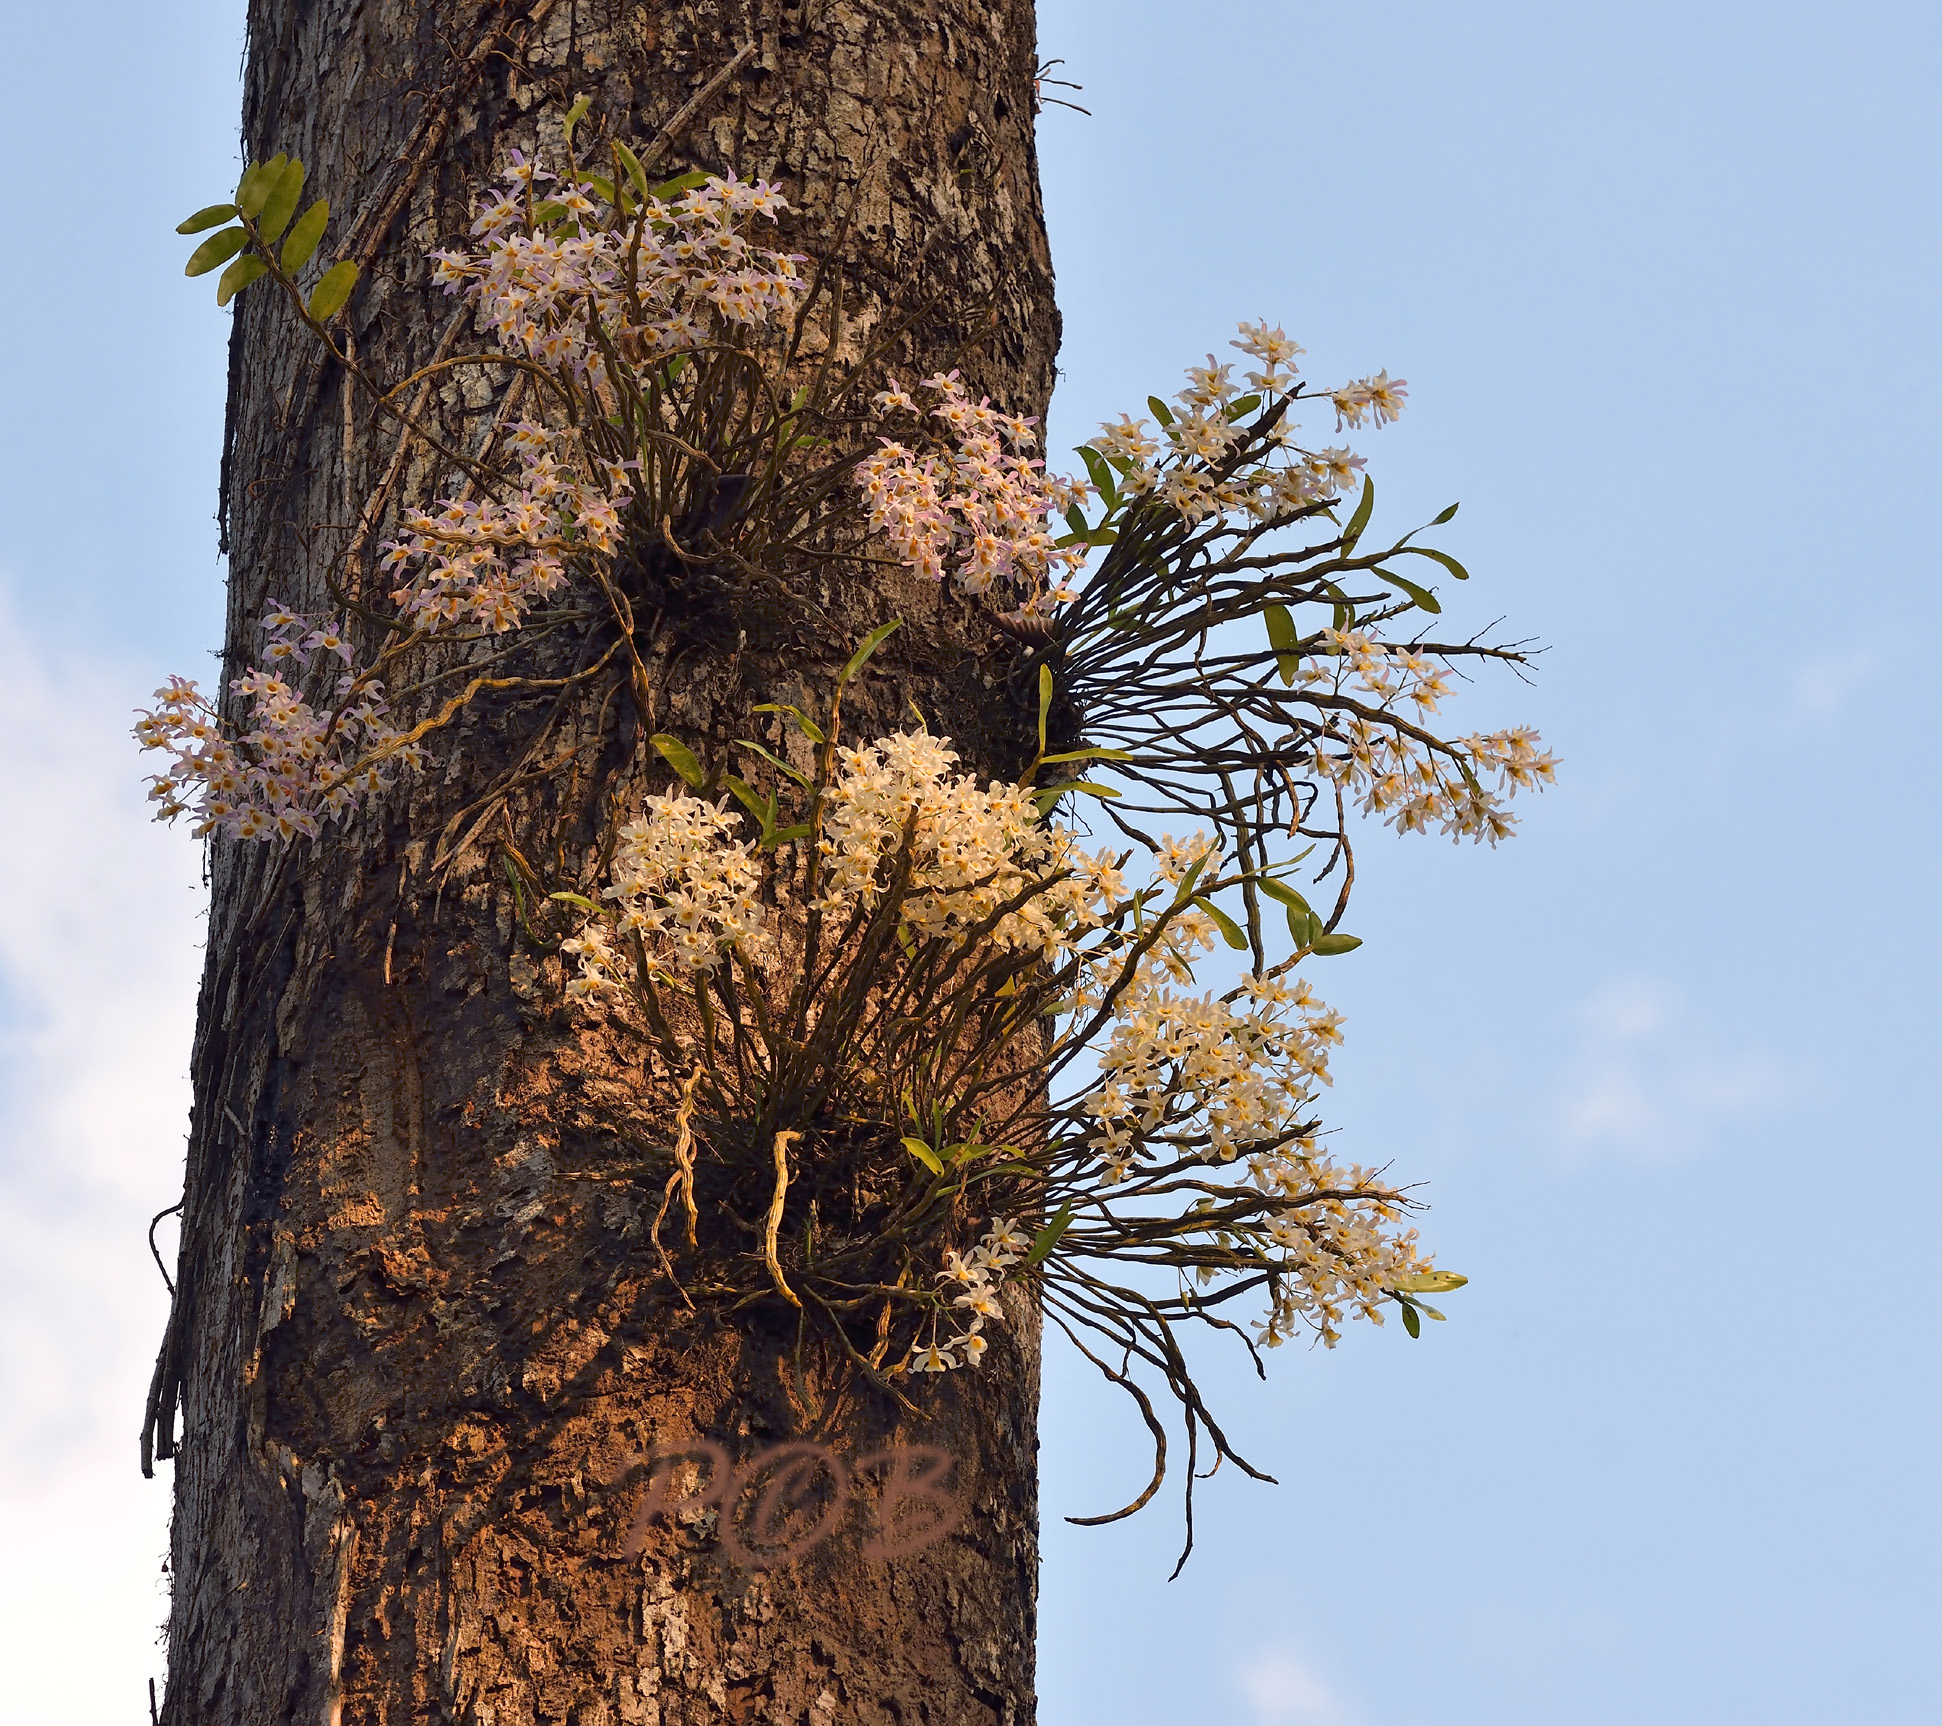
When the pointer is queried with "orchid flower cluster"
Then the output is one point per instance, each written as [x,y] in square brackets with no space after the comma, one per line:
[989,896]
[1189,461]
[1391,772]
[484,562]
[553,284]
[973,1280]
[978,510]
[297,764]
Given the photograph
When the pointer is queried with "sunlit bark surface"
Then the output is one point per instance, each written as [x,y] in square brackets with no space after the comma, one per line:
[420,1328]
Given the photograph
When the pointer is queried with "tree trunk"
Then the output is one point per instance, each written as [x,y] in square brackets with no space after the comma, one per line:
[420,1344]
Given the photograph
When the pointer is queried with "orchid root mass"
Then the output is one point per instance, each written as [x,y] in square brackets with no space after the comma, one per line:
[935,1046]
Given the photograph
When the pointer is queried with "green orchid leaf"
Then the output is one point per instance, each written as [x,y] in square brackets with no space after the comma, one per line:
[1329,945]
[671,189]
[1284,638]
[1085,787]
[258,182]
[575,900]
[871,642]
[777,762]
[1420,597]
[239,275]
[1442,557]
[1048,1237]
[281,204]
[207,218]
[1411,1322]
[680,757]
[1358,521]
[217,249]
[808,726]
[301,246]
[328,296]
[924,1154]
[762,808]
[631,163]
[1231,931]
[1448,515]
[1098,472]
[1430,1282]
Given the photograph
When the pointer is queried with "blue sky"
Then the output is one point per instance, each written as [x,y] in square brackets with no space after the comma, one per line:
[1661,280]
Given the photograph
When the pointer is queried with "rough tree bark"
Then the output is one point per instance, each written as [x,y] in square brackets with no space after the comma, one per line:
[417,1324]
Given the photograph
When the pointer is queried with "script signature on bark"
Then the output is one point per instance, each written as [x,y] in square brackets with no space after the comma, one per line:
[790,1498]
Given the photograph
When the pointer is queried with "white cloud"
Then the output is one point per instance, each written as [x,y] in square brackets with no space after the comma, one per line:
[98,966]
[1646,1081]
[1283,1690]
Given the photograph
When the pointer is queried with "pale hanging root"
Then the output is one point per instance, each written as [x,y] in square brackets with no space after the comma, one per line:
[683,1178]
[684,1150]
[773,1225]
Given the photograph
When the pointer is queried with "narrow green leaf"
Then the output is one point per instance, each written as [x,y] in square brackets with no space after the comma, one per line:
[1442,557]
[301,246]
[1329,945]
[258,181]
[1304,927]
[871,643]
[687,182]
[782,836]
[206,218]
[680,757]
[809,727]
[1161,411]
[574,900]
[1411,1322]
[1231,931]
[1448,515]
[1087,755]
[1430,1282]
[1363,510]
[1044,703]
[328,296]
[1185,890]
[281,204]
[239,275]
[1284,639]
[924,1154]
[1420,597]
[217,249]
[602,185]
[762,808]
[1280,891]
[1242,408]
[576,114]
[1048,1237]
[801,779]
[635,172]
[551,211]
[1087,787]
[1097,470]
[1075,518]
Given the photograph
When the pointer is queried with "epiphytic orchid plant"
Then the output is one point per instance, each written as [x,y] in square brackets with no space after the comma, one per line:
[927,1049]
